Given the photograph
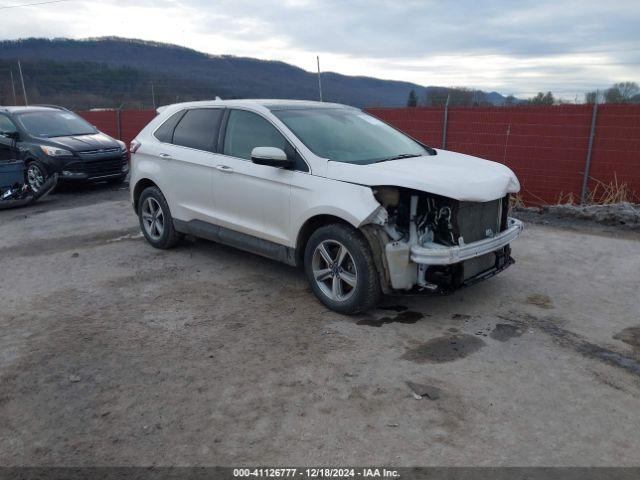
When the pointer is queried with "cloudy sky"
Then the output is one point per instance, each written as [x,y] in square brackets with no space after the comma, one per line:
[514,47]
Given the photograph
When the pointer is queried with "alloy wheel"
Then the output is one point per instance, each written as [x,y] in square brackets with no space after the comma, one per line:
[334,270]
[153,218]
[35,177]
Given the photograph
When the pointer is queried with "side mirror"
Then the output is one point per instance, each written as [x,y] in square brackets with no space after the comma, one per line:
[11,135]
[271,156]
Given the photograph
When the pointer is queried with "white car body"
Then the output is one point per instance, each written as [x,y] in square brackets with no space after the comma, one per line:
[268,210]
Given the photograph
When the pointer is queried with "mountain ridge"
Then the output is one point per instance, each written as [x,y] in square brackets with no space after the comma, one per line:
[115,71]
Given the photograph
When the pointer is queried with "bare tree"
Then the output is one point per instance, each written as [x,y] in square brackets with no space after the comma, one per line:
[623,92]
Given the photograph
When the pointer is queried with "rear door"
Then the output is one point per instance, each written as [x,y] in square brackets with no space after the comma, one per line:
[188,158]
[250,198]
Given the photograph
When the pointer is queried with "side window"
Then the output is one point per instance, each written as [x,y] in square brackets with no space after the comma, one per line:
[165,132]
[246,130]
[198,129]
[6,125]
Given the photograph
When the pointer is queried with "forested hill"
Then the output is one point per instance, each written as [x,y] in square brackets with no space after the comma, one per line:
[110,72]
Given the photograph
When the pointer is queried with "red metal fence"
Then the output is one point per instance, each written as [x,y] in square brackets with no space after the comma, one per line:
[545,146]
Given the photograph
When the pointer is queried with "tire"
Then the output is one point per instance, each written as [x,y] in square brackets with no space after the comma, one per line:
[156,227]
[36,175]
[358,285]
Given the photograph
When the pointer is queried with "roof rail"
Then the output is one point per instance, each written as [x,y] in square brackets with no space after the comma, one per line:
[57,107]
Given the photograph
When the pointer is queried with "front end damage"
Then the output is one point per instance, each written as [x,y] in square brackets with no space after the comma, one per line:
[429,243]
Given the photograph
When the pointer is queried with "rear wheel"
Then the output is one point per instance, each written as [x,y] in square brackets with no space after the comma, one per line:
[340,269]
[155,218]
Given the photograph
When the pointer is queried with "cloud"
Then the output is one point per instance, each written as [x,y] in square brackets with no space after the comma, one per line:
[517,47]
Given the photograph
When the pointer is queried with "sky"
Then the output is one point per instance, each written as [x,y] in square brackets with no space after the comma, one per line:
[513,47]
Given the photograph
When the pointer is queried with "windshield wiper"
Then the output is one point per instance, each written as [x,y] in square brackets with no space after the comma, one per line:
[399,157]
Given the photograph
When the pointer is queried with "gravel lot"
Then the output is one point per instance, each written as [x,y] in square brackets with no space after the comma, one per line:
[113,353]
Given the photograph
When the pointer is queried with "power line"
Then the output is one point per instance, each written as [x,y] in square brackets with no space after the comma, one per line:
[33,4]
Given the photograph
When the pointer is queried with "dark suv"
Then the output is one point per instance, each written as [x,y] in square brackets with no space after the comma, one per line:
[55,140]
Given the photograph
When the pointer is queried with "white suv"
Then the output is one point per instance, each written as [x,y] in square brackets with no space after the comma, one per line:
[362,207]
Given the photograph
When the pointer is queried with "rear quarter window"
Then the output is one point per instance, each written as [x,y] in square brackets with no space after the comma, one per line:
[165,132]
[198,128]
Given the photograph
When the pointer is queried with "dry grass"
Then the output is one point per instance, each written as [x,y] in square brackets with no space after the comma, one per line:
[612,192]
[602,194]
[516,201]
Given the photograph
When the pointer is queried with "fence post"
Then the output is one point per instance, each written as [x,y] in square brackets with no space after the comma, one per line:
[587,166]
[118,123]
[444,126]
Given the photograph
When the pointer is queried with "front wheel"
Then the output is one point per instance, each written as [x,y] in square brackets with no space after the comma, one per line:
[36,176]
[340,269]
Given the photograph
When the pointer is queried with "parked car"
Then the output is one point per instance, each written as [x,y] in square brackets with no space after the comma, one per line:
[14,189]
[364,208]
[53,139]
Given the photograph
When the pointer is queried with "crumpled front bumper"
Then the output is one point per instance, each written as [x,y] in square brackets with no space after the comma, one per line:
[436,254]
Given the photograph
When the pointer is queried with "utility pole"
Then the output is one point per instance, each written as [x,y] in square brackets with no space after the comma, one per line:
[24,90]
[13,87]
[153,95]
[319,79]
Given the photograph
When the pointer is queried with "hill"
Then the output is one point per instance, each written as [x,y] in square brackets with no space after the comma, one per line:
[109,72]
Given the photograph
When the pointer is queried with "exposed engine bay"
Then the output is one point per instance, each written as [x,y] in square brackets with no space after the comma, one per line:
[418,222]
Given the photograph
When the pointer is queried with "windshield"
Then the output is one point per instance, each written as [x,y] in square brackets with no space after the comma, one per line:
[346,135]
[59,123]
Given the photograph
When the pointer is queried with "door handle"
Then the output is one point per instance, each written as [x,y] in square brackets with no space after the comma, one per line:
[225,169]
[166,156]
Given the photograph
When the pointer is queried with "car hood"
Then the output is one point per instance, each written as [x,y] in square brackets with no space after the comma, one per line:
[450,174]
[83,143]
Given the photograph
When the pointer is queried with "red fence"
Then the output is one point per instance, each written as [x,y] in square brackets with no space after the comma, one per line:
[124,124]
[545,146]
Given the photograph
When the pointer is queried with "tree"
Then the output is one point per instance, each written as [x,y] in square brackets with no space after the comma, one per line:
[622,92]
[590,97]
[412,101]
[542,99]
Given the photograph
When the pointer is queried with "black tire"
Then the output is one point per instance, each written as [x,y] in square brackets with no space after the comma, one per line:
[366,293]
[36,165]
[168,237]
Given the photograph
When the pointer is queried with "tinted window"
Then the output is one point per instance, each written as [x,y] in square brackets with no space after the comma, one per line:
[198,129]
[6,125]
[348,135]
[54,123]
[246,130]
[165,132]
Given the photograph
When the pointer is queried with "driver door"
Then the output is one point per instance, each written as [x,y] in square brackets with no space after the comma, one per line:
[250,198]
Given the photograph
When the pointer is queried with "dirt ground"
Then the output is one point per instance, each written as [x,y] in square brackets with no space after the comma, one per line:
[113,353]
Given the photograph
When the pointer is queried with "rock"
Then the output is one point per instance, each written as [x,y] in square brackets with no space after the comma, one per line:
[419,391]
[74,378]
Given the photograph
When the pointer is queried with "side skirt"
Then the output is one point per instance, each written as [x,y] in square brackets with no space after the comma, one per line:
[242,241]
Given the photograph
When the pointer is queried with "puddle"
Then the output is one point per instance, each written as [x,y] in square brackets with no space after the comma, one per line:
[630,336]
[406,316]
[444,349]
[503,332]
[540,300]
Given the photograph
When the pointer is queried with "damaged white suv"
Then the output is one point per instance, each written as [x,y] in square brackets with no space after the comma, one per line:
[362,207]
